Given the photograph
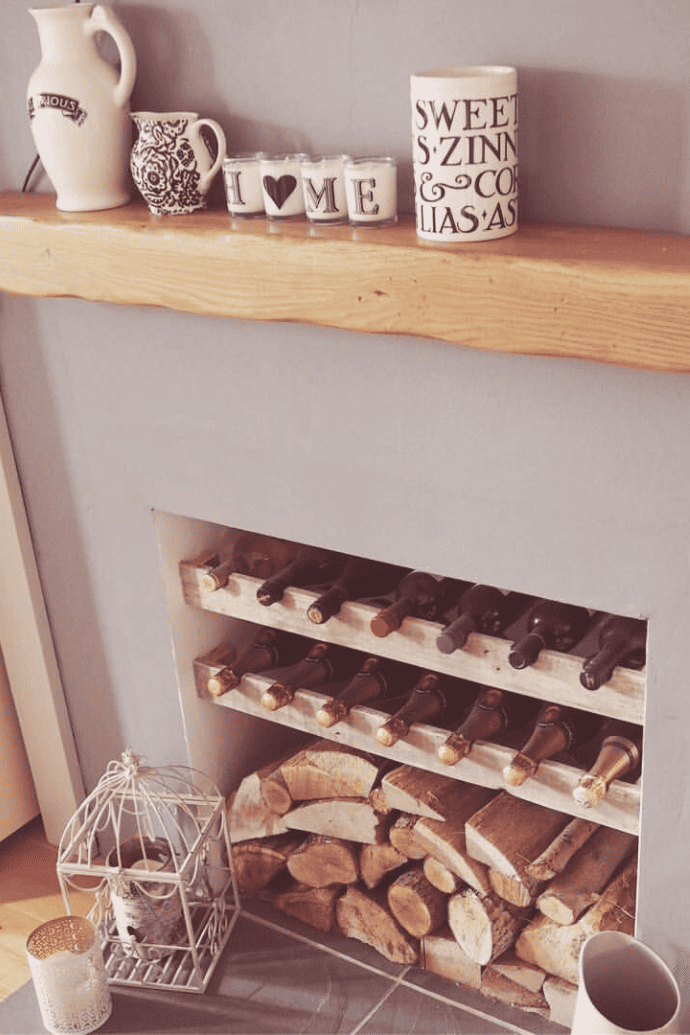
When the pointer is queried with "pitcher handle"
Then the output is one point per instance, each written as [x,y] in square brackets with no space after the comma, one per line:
[103,20]
[206,178]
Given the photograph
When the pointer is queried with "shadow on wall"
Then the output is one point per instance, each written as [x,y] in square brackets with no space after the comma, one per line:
[596,149]
[181,78]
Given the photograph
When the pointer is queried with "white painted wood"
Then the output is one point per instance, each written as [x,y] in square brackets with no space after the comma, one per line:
[30,658]
[484,659]
[551,786]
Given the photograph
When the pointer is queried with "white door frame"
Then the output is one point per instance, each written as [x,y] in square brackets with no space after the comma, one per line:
[27,646]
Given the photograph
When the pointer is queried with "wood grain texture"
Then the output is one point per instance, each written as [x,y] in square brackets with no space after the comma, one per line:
[612,296]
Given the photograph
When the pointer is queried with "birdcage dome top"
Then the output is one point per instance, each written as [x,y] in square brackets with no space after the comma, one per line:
[140,815]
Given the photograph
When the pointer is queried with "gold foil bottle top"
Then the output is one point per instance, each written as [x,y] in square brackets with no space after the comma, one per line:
[330,713]
[277,696]
[519,770]
[222,682]
[589,791]
[455,748]
[391,732]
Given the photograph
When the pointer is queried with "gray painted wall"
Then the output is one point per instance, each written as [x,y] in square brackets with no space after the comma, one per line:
[554,477]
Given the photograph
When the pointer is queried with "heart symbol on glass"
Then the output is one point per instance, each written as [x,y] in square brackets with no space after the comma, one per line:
[279,190]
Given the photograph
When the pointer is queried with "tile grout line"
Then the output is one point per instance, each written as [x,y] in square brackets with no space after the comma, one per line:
[324,948]
[375,1009]
[396,982]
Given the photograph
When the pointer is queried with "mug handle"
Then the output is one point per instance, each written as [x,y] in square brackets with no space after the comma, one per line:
[103,20]
[205,179]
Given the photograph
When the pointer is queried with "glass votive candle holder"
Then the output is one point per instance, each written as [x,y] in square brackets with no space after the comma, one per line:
[371,189]
[323,187]
[243,191]
[281,186]
[69,976]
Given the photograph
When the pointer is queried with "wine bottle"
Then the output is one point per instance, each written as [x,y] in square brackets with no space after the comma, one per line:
[493,712]
[311,566]
[427,700]
[619,756]
[550,624]
[324,663]
[247,554]
[270,648]
[481,609]
[419,595]
[557,729]
[376,680]
[619,640]
[359,578]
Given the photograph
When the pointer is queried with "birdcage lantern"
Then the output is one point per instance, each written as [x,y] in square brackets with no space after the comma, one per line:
[152,846]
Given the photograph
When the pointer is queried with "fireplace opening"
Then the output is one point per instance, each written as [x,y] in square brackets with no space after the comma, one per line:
[482,835]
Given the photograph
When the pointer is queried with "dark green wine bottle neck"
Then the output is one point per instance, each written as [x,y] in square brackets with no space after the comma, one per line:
[455,635]
[526,651]
[327,605]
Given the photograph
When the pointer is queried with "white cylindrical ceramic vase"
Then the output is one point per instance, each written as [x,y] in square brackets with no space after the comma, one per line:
[624,987]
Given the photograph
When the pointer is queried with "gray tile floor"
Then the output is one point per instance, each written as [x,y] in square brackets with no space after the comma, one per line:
[286,979]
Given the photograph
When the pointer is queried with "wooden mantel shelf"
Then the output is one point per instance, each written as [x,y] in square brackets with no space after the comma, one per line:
[611,296]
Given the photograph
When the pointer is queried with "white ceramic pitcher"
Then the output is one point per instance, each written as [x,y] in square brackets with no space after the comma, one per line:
[171,164]
[79,106]
[624,987]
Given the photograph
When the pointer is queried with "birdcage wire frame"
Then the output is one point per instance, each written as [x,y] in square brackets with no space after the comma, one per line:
[152,845]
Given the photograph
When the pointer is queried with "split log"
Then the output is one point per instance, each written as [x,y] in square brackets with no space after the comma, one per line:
[440,954]
[275,793]
[421,793]
[440,876]
[326,769]
[402,835]
[507,835]
[256,863]
[578,886]
[446,843]
[364,916]
[561,996]
[249,816]
[558,854]
[484,925]
[526,974]
[320,861]
[376,861]
[416,904]
[556,948]
[256,807]
[498,986]
[352,819]
[313,906]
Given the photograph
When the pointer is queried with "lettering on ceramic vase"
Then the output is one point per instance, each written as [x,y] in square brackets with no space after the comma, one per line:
[69,107]
[471,146]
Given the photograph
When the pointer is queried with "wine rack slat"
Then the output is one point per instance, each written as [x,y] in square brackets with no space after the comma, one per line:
[551,786]
[484,659]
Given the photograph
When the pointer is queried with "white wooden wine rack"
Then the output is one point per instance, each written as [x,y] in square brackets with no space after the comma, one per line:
[484,659]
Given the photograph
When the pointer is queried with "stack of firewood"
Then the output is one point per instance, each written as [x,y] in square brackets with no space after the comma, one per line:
[473,884]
